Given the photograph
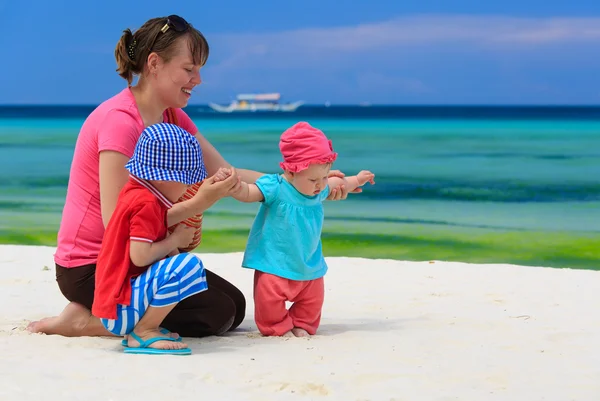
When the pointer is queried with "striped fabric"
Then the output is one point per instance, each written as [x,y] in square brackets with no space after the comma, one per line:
[167,152]
[194,221]
[166,282]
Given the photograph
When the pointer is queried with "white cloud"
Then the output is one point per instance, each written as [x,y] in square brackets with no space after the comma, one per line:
[308,45]
[437,29]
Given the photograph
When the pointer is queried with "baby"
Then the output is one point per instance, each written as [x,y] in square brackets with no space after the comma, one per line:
[284,246]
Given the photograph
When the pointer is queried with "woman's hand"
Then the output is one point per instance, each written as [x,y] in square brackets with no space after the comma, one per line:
[339,193]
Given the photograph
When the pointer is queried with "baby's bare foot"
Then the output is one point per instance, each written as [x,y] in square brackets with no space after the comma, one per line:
[298,332]
[288,334]
[147,335]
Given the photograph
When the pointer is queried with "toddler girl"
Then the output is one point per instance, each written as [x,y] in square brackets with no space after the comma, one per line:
[284,246]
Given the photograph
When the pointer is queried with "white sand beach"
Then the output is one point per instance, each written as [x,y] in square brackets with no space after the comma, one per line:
[391,330]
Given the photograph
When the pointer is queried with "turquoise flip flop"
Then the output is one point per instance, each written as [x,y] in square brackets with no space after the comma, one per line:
[164,331]
[144,347]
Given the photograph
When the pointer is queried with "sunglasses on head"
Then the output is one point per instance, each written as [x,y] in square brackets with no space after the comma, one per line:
[175,22]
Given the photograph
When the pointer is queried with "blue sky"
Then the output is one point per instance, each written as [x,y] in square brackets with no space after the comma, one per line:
[398,52]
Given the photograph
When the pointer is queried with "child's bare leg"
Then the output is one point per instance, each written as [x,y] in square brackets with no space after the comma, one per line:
[149,327]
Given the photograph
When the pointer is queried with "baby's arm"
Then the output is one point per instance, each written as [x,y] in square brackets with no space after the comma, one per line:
[144,253]
[249,193]
[353,182]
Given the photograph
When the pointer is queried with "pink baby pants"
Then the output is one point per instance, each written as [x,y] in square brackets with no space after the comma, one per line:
[270,294]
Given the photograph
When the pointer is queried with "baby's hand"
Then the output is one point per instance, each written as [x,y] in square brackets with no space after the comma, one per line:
[222,174]
[365,176]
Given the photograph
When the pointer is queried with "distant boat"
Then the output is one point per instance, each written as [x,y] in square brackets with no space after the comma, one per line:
[256,102]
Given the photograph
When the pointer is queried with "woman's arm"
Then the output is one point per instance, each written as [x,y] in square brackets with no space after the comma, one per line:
[249,176]
[213,161]
[112,176]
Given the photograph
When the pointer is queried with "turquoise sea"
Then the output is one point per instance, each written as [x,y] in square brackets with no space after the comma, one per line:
[477,184]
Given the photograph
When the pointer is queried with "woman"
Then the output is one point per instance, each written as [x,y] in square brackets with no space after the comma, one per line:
[166,54]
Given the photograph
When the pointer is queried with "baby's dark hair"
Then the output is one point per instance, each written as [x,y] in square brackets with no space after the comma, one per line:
[133,49]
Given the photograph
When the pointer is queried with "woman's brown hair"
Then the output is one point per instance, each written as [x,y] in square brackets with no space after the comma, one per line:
[133,49]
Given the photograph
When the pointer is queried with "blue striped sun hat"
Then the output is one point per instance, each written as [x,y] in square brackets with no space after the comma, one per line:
[167,152]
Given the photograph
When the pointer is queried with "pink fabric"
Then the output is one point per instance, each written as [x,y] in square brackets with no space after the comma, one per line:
[270,294]
[114,125]
[302,145]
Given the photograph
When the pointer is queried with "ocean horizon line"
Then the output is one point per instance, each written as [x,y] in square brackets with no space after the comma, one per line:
[360,104]
[339,111]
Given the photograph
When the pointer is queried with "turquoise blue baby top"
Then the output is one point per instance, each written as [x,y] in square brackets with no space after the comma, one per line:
[285,238]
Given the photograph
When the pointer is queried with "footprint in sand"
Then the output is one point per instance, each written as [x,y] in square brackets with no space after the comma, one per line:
[495,298]
[439,294]
[298,388]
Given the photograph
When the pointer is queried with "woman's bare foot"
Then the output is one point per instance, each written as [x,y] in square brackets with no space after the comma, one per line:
[298,332]
[147,335]
[74,321]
